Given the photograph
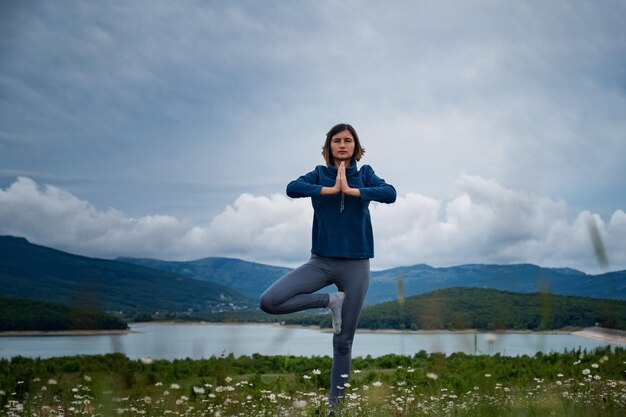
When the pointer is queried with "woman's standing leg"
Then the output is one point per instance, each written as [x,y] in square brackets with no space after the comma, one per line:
[352,277]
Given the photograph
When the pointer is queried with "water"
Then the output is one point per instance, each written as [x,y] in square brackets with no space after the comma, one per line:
[205,340]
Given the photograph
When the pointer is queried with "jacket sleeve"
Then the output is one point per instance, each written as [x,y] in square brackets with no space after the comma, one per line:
[305,186]
[376,189]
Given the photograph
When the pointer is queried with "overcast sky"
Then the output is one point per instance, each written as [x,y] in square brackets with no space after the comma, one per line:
[170,129]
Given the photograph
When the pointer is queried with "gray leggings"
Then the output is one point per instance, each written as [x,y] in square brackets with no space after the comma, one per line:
[294,292]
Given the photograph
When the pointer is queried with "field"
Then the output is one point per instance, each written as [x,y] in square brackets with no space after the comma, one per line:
[576,383]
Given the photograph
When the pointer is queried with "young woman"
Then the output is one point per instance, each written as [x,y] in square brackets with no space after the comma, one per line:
[343,243]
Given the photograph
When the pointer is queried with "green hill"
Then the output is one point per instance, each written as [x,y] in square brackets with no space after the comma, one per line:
[39,273]
[488,309]
[17,314]
[461,308]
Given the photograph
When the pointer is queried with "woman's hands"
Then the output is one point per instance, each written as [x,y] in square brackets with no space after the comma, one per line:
[341,184]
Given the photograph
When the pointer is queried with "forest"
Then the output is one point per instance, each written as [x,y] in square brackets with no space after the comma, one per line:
[461,308]
[19,315]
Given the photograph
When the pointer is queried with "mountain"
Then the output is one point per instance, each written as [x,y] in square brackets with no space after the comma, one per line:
[36,272]
[248,278]
[19,315]
[517,278]
[488,309]
[253,278]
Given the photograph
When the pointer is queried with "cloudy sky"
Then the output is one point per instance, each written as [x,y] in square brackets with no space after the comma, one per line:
[170,129]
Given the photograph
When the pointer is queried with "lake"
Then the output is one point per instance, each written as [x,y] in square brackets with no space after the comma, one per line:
[176,341]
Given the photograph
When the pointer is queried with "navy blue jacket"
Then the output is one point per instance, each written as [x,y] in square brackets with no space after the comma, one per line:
[342,226]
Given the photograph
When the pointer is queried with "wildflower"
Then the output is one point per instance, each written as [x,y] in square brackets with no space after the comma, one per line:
[2,393]
[307,377]
[198,390]
[166,393]
[487,375]
[377,383]
[52,382]
[174,386]
[146,360]
[158,384]
[147,399]
[432,376]
[87,378]
[120,399]
[559,375]
[316,372]
[357,371]
[410,370]
[347,385]
[344,375]
[595,365]
[299,404]
[576,362]
[228,379]
[586,371]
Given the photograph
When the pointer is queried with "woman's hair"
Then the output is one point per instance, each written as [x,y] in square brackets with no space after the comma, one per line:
[358,149]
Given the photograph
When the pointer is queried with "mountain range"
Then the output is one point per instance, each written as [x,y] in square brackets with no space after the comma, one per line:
[252,279]
[133,285]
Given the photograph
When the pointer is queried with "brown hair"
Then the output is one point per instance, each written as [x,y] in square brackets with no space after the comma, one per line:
[358,149]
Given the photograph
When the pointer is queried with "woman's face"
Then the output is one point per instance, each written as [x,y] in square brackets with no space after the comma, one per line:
[342,147]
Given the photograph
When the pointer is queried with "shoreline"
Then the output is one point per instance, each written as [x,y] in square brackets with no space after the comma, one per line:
[359,330]
[597,333]
[19,333]
[606,335]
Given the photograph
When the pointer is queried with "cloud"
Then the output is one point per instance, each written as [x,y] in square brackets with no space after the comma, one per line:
[529,94]
[487,223]
[484,223]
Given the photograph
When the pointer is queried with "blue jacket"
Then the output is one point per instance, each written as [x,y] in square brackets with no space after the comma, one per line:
[342,226]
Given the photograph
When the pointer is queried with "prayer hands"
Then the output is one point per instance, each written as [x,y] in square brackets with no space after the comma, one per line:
[341,184]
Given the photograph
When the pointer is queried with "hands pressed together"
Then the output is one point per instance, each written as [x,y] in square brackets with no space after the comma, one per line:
[341,184]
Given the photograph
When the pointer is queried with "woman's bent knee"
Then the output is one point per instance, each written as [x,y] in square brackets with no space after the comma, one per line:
[267,304]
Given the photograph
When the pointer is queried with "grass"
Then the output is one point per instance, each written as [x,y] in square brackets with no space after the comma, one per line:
[576,383]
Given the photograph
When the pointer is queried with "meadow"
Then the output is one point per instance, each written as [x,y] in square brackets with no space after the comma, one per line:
[576,383]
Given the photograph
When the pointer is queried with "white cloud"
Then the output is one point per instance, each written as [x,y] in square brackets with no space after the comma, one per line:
[487,223]
[484,223]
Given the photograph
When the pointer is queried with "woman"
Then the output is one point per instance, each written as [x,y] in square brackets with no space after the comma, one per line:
[343,243]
